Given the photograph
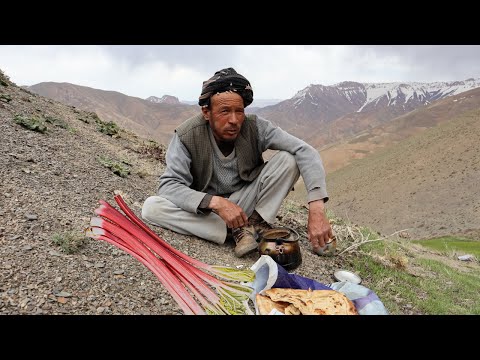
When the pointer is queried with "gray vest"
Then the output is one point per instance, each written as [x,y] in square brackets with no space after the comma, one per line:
[193,133]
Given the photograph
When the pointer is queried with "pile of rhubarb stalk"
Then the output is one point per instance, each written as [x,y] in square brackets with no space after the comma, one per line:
[197,288]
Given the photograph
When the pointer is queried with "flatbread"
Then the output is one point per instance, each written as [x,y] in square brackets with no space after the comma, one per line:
[305,302]
[265,305]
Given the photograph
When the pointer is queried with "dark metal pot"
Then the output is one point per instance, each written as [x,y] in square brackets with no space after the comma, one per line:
[282,245]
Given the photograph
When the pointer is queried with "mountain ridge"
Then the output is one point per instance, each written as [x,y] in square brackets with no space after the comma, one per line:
[322,115]
[362,144]
[146,118]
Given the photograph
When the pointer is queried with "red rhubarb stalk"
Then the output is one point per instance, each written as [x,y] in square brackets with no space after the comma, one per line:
[180,274]
[189,307]
[233,291]
[132,234]
[221,271]
[173,282]
[211,309]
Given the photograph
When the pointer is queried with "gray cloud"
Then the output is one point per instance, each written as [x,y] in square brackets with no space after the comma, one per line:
[433,62]
[275,71]
[199,57]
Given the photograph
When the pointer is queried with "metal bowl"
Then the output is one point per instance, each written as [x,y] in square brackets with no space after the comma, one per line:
[345,275]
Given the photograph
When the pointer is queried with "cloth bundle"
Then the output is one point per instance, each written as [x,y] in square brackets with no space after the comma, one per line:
[269,274]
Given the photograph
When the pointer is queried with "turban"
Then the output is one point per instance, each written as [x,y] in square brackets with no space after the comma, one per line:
[226,80]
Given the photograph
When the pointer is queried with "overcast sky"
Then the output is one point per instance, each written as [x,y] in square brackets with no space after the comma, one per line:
[274,71]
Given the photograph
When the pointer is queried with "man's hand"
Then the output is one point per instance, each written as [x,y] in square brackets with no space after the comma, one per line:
[231,213]
[319,229]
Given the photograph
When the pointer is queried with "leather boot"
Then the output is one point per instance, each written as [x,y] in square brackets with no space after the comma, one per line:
[258,223]
[246,239]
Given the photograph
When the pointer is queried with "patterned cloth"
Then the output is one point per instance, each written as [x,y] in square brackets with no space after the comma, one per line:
[226,80]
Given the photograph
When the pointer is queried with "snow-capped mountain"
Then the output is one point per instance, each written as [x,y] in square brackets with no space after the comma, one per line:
[165,99]
[413,94]
[320,112]
[367,96]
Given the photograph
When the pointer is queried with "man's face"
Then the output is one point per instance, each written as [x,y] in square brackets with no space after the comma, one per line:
[226,115]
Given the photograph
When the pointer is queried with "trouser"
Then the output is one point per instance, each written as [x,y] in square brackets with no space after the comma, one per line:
[265,195]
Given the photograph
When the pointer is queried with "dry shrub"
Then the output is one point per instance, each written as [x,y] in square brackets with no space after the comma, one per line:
[153,149]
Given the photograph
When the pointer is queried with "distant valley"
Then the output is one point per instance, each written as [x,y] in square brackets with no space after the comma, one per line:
[426,184]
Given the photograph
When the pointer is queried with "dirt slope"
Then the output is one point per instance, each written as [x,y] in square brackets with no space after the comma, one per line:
[428,184]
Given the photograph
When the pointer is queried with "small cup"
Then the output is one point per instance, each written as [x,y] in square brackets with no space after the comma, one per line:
[329,249]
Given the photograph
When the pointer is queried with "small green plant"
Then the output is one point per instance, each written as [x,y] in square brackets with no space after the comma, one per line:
[70,242]
[5,98]
[94,116]
[31,123]
[3,79]
[117,167]
[109,128]
[56,122]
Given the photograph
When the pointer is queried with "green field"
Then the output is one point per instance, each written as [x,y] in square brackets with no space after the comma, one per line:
[450,244]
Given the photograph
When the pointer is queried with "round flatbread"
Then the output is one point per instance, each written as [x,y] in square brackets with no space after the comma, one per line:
[304,302]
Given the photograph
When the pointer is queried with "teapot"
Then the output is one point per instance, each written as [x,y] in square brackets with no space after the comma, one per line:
[282,245]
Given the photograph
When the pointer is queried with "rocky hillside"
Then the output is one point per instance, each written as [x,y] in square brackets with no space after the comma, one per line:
[151,119]
[427,183]
[56,163]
